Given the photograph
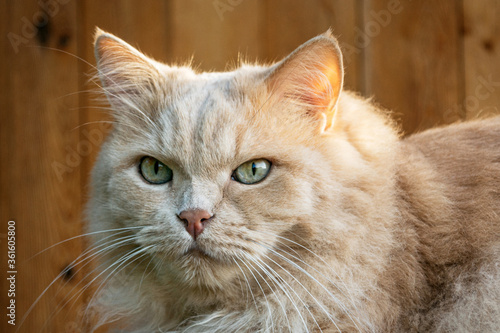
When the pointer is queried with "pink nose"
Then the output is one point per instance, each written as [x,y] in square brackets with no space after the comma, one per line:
[195,220]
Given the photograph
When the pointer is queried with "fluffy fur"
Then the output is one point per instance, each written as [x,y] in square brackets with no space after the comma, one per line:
[353,230]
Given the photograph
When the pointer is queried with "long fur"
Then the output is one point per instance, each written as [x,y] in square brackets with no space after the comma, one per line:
[354,229]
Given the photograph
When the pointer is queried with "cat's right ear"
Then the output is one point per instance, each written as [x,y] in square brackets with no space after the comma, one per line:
[128,77]
[312,77]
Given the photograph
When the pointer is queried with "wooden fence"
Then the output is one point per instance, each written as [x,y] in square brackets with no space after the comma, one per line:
[430,61]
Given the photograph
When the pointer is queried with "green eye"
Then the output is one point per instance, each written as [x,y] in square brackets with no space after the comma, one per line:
[252,172]
[154,171]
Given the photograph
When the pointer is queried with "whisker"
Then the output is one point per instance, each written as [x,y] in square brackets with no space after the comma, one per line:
[109,276]
[93,122]
[73,298]
[341,290]
[123,259]
[243,290]
[144,274]
[248,283]
[30,309]
[276,284]
[263,293]
[309,293]
[291,299]
[317,271]
[110,245]
[87,91]
[114,244]
[124,229]
[122,89]
[334,298]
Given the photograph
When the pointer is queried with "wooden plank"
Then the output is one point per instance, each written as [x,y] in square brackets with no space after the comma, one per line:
[292,22]
[5,142]
[481,58]
[413,60]
[38,118]
[216,32]
[143,26]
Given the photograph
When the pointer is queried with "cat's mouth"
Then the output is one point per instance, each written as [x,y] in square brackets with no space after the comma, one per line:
[197,252]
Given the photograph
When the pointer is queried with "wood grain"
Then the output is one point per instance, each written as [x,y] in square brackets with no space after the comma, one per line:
[481,58]
[217,34]
[38,124]
[413,60]
[286,29]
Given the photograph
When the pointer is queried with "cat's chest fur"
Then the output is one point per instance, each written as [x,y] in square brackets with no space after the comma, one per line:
[269,200]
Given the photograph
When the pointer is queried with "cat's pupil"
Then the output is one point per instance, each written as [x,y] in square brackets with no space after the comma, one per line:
[254,169]
[156,167]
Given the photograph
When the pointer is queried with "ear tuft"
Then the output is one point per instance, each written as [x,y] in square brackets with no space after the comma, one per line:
[329,34]
[108,46]
[98,32]
[311,76]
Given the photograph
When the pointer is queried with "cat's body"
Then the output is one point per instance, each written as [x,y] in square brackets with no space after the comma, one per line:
[450,195]
[352,229]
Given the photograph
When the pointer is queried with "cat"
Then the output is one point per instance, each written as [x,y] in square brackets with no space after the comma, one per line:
[269,199]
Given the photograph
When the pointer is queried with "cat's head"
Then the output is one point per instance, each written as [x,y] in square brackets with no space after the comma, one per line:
[216,172]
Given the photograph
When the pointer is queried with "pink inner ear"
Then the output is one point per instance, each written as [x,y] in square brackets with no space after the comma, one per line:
[321,86]
[312,77]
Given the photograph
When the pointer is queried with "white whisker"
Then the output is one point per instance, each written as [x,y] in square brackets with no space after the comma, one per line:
[333,297]
[123,259]
[263,293]
[73,263]
[291,299]
[277,285]
[123,240]
[124,229]
[248,284]
[341,290]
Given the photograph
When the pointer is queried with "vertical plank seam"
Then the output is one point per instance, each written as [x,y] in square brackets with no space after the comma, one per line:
[359,21]
[461,71]
[169,31]
[262,35]
[265,37]
[83,101]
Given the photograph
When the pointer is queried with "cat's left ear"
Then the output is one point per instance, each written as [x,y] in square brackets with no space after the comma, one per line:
[311,76]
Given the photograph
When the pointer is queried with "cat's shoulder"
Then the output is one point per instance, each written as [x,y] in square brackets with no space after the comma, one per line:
[460,138]
[480,129]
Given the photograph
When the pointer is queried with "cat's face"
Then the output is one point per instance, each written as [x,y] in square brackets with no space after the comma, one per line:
[241,146]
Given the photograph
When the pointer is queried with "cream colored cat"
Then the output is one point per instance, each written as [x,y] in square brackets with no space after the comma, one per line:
[267,199]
